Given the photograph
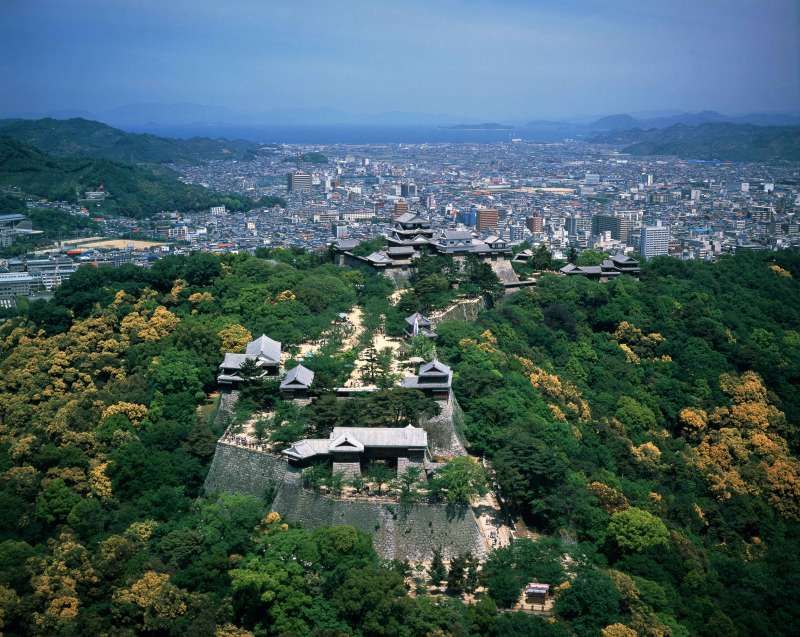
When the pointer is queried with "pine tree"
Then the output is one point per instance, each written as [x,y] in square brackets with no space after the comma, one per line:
[455,579]
[437,571]
[471,577]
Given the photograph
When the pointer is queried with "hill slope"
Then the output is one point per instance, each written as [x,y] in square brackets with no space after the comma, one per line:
[133,190]
[733,142]
[83,137]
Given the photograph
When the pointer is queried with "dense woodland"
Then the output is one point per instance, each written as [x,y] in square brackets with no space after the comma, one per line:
[710,141]
[86,138]
[134,190]
[646,431]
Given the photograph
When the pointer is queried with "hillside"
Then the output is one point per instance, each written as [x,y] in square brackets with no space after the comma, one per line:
[722,141]
[87,138]
[646,431]
[134,191]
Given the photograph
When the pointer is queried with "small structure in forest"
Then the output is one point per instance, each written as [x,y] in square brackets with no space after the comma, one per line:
[536,593]
[297,382]
[419,325]
[434,379]
[350,447]
[262,353]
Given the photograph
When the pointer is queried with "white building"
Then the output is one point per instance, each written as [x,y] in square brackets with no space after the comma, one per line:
[654,241]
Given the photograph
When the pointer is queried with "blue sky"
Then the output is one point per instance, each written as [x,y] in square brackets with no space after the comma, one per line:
[498,60]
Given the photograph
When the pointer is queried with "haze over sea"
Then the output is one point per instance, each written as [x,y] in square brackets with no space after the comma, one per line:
[350,134]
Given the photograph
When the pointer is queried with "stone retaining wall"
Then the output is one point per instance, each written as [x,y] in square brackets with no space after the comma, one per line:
[463,310]
[398,532]
[239,470]
[402,533]
[444,432]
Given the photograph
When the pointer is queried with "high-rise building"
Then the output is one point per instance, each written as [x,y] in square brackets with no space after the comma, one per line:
[487,219]
[619,224]
[339,230]
[654,241]
[298,181]
[577,224]
[467,217]
[400,208]
[408,189]
[535,224]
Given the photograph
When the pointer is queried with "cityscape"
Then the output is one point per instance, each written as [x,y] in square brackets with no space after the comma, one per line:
[568,197]
[441,318]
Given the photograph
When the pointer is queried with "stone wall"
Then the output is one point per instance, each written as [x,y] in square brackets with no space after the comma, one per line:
[504,271]
[398,532]
[401,533]
[238,470]
[227,402]
[445,436]
[462,310]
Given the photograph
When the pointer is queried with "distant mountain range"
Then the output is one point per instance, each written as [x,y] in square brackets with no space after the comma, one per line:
[687,135]
[722,141]
[186,119]
[82,137]
[623,121]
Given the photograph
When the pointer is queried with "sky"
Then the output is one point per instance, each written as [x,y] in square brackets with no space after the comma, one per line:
[475,60]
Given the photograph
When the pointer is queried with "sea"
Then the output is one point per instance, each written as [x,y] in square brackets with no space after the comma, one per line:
[354,134]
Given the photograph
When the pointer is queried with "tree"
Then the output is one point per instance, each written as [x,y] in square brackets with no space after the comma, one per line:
[572,257]
[56,501]
[472,575]
[637,530]
[542,259]
[437,571]
[234,338]
[202,268]
[379,473]
[460,480]
[591,257]
[457,574]
[385,376]
[336,482]
[591,603]
[528,467]
[408,482]
[370,370]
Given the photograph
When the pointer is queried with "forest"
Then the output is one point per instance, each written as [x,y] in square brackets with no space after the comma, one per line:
[645,432]
[87,138]
[137,191]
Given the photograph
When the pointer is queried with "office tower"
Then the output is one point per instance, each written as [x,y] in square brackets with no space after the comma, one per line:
[298,181]
[467,217]
[408,189]
[649,179]
[577,224]
[400,208]
[535,224]
[487,219]
[592,179]
[619,224]
[654,241]
[695,194]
